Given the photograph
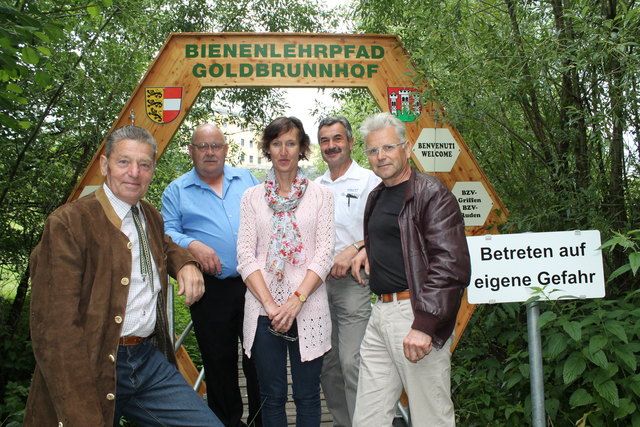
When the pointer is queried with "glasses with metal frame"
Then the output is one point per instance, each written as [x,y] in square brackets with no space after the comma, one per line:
[203,146]
[290,335]
[387,148]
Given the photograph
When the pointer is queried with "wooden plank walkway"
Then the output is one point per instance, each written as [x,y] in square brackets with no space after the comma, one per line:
[325,420]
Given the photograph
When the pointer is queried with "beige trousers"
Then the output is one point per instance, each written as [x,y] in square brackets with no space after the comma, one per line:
[384,372]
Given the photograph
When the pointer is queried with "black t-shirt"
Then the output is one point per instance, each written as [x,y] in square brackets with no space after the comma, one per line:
[385,248]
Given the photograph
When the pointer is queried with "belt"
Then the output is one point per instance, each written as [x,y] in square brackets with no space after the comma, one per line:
[218,279]
[131,340]
[397,296]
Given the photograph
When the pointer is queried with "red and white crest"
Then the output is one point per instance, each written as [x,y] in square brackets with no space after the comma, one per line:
[404,102]
[163,104]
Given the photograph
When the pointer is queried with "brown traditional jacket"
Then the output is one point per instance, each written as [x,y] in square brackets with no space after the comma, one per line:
[80,273]
[435,252]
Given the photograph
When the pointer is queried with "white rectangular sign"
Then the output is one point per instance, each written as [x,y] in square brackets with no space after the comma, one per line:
[507,267]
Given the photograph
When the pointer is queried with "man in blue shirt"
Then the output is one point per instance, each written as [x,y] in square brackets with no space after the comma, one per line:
[201,211]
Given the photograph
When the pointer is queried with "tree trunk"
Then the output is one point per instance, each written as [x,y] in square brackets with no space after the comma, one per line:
[572,140]
[616,198]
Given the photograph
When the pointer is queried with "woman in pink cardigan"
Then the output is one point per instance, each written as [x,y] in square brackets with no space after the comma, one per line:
[285,252]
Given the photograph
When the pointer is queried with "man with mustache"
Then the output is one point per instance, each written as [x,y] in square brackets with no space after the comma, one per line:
[201,211]
[416,252]
[349,302]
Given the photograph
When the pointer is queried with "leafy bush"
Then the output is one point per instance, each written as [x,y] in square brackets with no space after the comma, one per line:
[12,409]
[591,351]
[490,368]
[16,367]
[630,244]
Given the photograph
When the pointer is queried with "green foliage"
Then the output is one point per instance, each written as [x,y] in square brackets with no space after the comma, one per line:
[489,378]
[530,88]
[591,352]
[630,244]
[545,96]
[16,366]
[25,39]
[12,410]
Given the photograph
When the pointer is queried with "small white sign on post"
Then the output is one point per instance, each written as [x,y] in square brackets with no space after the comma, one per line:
[436,149]
[474,200]
[507,267]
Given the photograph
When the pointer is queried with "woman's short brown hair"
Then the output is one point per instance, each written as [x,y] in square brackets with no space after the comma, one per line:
[279,126]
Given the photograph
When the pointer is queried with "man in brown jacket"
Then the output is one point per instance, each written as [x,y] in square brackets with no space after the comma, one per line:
[98,315]
[417,256]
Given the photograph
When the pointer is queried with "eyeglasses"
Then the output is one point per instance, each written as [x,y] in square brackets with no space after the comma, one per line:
[287,335]
[203,146]
[387,148]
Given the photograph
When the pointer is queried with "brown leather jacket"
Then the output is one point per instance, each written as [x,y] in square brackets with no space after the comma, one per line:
[435,252]
[79,286]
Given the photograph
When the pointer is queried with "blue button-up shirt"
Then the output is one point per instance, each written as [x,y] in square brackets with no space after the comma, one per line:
[193,211]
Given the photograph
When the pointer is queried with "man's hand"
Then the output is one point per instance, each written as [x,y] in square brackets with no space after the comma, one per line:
[190,283]
[357,263]
[206,257]
[342,262]
[416,345]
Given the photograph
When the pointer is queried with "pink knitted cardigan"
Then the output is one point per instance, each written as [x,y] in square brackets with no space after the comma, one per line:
[315,219]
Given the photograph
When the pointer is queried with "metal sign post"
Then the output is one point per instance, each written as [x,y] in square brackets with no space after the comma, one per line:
[535,366]
[552,265]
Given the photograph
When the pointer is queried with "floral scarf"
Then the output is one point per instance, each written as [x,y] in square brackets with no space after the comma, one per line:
[285,243]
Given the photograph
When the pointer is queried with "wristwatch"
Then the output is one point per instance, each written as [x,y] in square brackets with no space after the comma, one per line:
[358,247]
[302,298]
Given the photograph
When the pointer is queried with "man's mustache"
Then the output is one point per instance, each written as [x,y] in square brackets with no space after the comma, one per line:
[333,150]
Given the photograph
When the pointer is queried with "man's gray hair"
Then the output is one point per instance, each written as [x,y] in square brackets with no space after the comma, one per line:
[380,121]
[135,133]
[332,120]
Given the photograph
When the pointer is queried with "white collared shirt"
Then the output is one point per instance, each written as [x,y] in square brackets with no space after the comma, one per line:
[350,192]
[140,314]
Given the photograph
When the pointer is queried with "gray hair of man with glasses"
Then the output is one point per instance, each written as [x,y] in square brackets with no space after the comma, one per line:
[381,121]
[135,133]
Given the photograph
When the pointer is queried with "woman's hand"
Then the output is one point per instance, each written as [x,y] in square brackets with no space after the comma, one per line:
[284,316]
[271,308]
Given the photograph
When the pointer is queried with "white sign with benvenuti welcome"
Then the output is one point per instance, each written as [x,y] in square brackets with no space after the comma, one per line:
[515,267]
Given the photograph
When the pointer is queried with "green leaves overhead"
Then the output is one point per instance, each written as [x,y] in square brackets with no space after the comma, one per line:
[22,51]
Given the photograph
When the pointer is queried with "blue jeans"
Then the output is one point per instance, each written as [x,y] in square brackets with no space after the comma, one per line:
[151,392]
[270,354]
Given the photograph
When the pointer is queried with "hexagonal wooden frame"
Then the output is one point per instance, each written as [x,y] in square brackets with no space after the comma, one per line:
[173,68]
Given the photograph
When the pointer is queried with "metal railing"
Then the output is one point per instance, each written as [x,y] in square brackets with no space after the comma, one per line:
[187,330]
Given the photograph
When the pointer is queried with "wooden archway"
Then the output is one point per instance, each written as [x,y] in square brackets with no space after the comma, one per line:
[189,62]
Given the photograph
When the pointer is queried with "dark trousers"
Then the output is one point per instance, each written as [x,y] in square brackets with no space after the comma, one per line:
[217,320]
[270,354]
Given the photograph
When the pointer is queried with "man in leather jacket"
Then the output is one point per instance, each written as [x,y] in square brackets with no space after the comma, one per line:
[418,261]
